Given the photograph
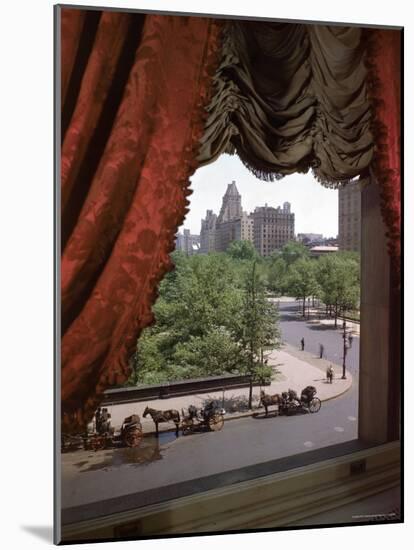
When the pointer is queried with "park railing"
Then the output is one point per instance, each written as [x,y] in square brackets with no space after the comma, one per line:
[176,389]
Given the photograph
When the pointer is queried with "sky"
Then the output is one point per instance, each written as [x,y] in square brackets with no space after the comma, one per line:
[315,207]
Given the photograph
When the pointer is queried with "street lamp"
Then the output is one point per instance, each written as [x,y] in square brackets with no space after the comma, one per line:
[346,337]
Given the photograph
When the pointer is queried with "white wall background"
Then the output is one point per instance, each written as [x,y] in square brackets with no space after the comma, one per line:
[26,300]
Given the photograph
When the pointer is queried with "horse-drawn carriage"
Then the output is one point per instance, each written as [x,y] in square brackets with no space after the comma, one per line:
[210,417]
[103,435]
[290,403]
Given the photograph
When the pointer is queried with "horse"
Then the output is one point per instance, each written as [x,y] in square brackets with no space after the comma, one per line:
[268,400]
[170,415]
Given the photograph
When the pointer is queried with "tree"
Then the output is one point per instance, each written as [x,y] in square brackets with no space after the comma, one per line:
[301,280]
[196,317]
[259,327]
[276,274]
[208,321]
[293,251]
[210,355]
[150,360]
[242,250]
[339,285]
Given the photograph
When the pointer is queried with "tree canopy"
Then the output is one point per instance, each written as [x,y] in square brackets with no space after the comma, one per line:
[242,250]
[202,321]
[293,251]
[213,315]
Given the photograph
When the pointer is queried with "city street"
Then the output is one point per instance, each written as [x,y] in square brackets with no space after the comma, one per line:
[293,329]
[90,477]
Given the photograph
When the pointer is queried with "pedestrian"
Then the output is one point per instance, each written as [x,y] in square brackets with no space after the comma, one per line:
[321,350]
[350,338]
[302,343]
[329,374]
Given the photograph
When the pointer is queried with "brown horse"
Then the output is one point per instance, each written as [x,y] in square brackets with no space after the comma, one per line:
[268,400]
[170,415]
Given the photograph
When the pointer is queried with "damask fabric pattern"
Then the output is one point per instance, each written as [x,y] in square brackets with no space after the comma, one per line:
[127,155]
[289,97]
[384,85]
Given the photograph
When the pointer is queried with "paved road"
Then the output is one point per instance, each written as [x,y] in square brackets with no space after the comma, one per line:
[293,329]
[89,477]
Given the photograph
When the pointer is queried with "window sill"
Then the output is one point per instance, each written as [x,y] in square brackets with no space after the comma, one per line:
[298,487]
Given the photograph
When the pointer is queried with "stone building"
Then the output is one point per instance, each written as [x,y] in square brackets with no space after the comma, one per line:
[231,207]
[232,224]
[272,228]
[246,228]
[228,221]
[208,233]
[188,243]
[349,214]
[266,228]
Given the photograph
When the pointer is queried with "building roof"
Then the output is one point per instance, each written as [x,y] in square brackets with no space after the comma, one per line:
[324,249]
[232,190]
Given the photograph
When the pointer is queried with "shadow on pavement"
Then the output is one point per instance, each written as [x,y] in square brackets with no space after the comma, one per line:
[262,416]
[321,327]
[288,318]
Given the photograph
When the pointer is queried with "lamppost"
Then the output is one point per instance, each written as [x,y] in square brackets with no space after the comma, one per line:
[347,343]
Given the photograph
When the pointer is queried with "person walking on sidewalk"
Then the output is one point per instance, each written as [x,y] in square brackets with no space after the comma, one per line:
[302,343]
[321,350]
[329,374]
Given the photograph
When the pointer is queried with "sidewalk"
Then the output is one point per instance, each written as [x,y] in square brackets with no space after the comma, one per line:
[294,370]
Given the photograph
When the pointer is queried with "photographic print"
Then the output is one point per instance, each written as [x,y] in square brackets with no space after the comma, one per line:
[228,213]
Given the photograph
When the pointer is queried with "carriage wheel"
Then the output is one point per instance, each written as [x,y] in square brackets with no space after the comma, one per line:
[133,437]
[315,405]
[216,422]
[186,426]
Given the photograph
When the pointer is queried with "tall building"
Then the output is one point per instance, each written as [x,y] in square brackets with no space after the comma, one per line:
[272,228]
[208,233]
[266,228]
[232,223]
[231,207]
[188,243]
[246,228]
[349,213]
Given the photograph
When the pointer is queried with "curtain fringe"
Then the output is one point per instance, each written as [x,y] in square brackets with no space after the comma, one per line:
[387,178]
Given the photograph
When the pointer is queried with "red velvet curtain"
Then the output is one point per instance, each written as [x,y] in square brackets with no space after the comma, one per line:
[134,90]
[384,81]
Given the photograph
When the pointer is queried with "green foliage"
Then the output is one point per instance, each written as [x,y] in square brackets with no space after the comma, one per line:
[301,279]
[200,315]
[259,321]
[339,281]
[210,355]
[242,250]
[293,251]
[276,274]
